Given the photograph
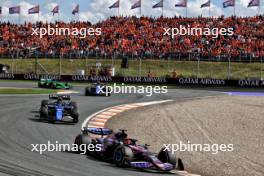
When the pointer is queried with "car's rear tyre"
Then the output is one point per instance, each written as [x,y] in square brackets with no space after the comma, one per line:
[53,86]
[123,155]
[74,104]
[44,103]
[75,120]
[82,139]
[75,115]
[43,115]
[167,156]
[87,91]
[67,86]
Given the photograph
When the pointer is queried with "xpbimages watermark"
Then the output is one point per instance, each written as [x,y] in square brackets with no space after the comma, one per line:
[191,147]
[58,147]
[187,30]
[78,32]
[131,89]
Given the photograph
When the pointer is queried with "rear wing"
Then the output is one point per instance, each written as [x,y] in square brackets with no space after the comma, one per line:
[98,131]
[55,97]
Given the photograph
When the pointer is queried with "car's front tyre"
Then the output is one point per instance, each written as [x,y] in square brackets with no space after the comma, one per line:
[123,155]
[167,156]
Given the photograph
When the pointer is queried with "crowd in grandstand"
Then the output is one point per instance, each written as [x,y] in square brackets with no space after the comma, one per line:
[140,37]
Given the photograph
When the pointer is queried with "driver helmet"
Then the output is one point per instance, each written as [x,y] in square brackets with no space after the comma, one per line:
[127,141]
[59,100]
[120,135]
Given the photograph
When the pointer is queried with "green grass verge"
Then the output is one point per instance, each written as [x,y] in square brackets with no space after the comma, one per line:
[218,70]
[26,91]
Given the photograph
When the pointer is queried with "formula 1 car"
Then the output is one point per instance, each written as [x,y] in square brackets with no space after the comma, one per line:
[53,84]
[57,108]
[97,89]
[123,151]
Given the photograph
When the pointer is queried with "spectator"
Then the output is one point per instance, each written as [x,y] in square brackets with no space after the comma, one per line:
[138,37]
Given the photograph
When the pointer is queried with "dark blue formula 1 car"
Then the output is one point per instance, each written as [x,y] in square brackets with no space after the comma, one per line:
[123,151]
[57,108]
[97,89]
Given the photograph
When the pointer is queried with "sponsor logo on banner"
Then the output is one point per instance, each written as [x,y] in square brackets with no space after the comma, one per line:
[251,83]
[7,76]
[152,80]
[91,78]
[37,77]
[202,81]
[144,80]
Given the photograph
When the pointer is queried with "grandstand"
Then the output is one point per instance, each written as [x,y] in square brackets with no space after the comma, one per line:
[139,37]
[142,41]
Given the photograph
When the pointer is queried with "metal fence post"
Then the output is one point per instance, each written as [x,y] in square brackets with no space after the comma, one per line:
[168,64]
[113,58]
[229,67]
[198,67]
[12,65]
[140,64]
[261,67]
[60,64]
[36,65]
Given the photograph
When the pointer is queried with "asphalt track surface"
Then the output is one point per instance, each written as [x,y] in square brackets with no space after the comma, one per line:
[20,128]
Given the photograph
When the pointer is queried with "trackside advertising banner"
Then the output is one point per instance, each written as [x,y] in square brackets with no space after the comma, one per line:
[196,82]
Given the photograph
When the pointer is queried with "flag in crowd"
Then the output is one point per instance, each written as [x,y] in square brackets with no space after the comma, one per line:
[136,5]
[33,10]
[55,10]
[115,5]
[254,3]
[14,10]
[182,3]
[206,4]
[75,10]
[158,5]
[229,3]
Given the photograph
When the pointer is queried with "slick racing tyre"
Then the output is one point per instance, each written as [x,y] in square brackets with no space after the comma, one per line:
[44,103]
[166,156]
[82,139]
[75,115]
[87,91]
[123,155]
[74,104]
[53,86]
[43,113]
[67,86]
